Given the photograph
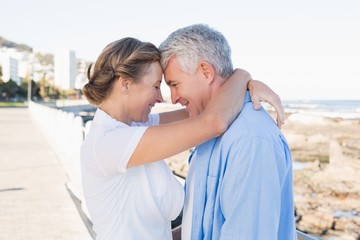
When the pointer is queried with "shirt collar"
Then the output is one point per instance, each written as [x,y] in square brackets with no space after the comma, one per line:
[247,97]
[105,119]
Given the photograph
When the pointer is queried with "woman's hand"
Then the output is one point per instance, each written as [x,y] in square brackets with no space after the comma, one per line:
[259,91]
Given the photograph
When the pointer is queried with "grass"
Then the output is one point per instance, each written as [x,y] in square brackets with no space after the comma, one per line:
[311,158]
[12,104]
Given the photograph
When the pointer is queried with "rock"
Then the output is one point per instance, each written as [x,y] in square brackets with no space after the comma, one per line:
[316,222]
[348,225]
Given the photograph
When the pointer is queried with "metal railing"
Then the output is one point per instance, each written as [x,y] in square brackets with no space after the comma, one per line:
[303,236]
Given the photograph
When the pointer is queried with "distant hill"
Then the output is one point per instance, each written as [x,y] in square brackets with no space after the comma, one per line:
[44,58]
[9,44]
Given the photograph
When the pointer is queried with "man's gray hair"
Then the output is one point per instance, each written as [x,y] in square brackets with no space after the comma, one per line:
[197,43]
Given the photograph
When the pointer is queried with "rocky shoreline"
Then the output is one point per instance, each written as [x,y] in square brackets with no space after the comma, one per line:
[327,189]
[327,185]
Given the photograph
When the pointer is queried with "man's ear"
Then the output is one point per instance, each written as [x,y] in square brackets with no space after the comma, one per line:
[208,71]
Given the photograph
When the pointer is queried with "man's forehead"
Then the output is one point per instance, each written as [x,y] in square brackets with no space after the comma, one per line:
[171,65]
[167,80]
[167,74]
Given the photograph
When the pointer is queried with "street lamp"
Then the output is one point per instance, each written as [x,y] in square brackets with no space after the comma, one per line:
[29,91]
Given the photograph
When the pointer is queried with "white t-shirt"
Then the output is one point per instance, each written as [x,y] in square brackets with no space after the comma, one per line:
[134,203]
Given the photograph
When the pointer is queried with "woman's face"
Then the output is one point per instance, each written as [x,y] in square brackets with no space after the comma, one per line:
[145,93]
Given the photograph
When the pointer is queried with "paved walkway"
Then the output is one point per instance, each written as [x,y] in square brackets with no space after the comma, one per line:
[34,201]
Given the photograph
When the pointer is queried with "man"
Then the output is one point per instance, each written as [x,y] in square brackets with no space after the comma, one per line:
[239,185]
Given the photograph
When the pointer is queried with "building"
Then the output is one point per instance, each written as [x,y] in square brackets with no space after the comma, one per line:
[10,66]
[10,70]
[65,68]
[15,65]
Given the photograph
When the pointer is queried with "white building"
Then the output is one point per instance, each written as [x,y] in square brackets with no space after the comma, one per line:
[10,66]
[15,65]
[65,68]
[10,70]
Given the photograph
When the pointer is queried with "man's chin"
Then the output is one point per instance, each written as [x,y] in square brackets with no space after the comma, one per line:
[189,112]
[193,114]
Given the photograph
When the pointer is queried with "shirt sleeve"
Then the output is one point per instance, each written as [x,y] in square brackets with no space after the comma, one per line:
[114,148]
[251,191]
[154,119]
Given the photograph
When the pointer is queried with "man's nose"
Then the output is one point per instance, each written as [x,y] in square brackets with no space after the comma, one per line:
[174,96]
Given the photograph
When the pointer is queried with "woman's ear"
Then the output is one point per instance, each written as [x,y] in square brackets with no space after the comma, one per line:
[124,85]
[207,71]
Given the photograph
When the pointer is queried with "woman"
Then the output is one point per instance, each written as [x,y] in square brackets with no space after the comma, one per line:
[129,192]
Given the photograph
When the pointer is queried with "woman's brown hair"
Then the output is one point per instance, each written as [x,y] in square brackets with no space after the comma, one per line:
[127,58]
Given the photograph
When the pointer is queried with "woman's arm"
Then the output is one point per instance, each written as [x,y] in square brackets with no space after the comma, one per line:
[181,114]
[173,116]
[162,141]
[259,91]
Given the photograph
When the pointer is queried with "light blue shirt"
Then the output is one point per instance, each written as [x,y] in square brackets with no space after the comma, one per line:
[243,182]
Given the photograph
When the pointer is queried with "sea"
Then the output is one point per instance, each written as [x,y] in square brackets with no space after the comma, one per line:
[345,109]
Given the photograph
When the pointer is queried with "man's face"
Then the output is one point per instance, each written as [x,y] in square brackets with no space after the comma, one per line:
[190,90]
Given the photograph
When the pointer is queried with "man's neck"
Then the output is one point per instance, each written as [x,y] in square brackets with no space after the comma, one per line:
[214,87]
[217,84]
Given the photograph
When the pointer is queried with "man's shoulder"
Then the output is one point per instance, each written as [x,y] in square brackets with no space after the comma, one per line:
[251,123]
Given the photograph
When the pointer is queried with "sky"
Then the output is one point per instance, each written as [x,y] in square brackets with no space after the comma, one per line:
[304,49]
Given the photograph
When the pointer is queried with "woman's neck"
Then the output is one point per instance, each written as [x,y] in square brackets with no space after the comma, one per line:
[116,111]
